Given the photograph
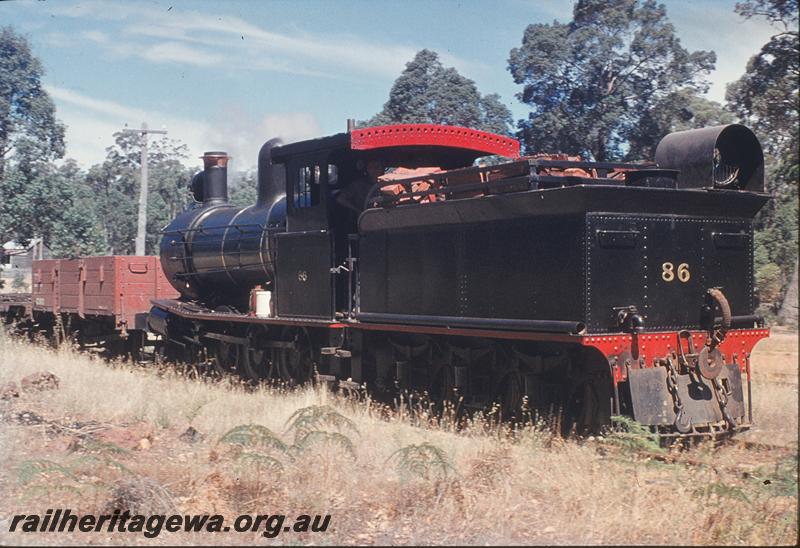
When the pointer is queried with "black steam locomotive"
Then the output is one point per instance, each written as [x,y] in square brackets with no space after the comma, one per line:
[393,257]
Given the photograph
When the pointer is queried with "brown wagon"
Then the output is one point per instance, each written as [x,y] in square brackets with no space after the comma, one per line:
[98,299]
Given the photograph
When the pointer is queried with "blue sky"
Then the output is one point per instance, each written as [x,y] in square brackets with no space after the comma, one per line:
[232,74]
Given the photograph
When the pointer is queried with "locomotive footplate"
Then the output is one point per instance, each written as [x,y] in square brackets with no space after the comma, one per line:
[697,403]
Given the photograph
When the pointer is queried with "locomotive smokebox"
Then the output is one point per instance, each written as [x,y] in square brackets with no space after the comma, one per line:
[215,178]
[725,157]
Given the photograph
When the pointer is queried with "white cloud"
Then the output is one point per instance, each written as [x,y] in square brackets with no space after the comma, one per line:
[58,39]
[96,36]
[87,135]
[98,106]
[166,52]
[246,45]
[91,123]
[241,133]
[235,33]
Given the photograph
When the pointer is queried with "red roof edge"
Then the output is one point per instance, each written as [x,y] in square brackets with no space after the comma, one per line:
[400,135]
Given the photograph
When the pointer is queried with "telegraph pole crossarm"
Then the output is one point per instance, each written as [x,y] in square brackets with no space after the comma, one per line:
[141,229]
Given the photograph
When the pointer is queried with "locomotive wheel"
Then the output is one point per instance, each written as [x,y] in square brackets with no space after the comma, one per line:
[508,393]
[256,362]
[585,412]
[226,357]
[294,364]
[442,386]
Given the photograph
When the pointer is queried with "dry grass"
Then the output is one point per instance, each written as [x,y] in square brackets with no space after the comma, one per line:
[479,486]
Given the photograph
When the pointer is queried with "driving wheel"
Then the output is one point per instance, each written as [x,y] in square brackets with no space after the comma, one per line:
[294,359]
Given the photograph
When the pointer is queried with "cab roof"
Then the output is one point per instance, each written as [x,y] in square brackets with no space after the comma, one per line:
[449,145]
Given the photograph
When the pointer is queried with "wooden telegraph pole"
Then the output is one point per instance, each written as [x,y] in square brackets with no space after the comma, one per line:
[141,230]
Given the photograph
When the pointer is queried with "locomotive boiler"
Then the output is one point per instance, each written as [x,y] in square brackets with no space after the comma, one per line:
[398,260]
[215,251]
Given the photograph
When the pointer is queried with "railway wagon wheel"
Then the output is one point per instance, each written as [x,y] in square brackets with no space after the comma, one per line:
[256,360]
[295,358]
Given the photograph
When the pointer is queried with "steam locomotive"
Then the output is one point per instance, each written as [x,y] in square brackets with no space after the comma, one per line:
[395,258]
[385,257]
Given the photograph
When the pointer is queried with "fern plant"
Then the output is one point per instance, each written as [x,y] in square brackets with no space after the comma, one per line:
[632,435]
[250,458]
[315,418]
[722,491]
[424,461]
[29,470]
[41,476]
[320,437]
[253,436]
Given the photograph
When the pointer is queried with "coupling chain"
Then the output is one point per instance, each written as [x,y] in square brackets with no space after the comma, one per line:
[682,422]
[722,399]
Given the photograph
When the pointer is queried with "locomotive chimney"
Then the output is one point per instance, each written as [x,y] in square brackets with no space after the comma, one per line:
[215,178]
[351,125]
[271,181]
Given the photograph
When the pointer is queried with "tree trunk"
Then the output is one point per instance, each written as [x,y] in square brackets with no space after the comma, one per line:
[600,152]
[788,313]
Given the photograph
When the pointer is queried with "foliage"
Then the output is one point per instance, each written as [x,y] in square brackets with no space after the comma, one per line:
[766,98]
[115,184]
[608,84]
[28,126]
[19,282]
[424,461]
[243,189]
[769,283]
[321,437]
[429,92]
[308,423]
[312,418]
[77,232]
[722,490]
[75,213]
[29,470]
[632,435]
[780,478]
[256,442]
[250,458]
[46,476]
[55,204]
[254,436]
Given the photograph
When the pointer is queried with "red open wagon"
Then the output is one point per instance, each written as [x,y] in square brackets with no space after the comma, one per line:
[98,298]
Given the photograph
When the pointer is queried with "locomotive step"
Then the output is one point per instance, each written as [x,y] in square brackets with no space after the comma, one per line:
[325,378]
[335,351]
[349,385]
